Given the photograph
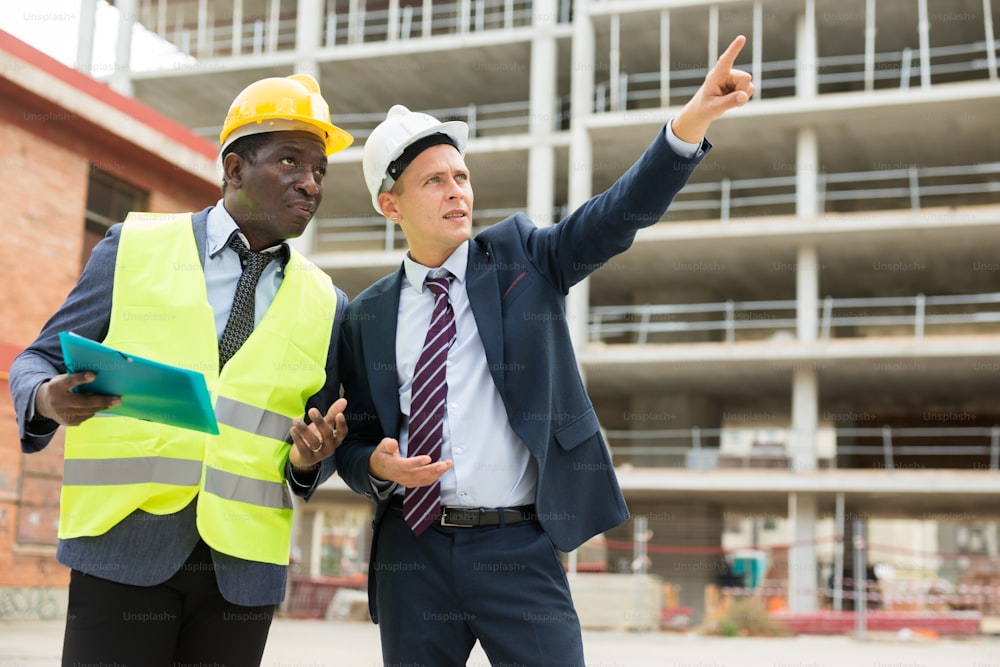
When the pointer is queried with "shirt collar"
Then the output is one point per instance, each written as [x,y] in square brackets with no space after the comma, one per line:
[220,227]
[416,273]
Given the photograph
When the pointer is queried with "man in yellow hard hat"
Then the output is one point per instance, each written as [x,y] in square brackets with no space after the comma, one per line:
[179,540]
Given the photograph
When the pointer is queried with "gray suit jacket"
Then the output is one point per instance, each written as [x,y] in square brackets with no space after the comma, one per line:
[517,278]
[146,549]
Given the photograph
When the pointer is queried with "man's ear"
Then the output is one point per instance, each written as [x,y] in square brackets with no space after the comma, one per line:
[387,202]
[232,170]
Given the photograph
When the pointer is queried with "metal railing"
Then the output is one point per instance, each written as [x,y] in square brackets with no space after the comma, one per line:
[892,188]
[730,321]
[699,448]
[351,22]
[835,74]
[484,120]
[883,189]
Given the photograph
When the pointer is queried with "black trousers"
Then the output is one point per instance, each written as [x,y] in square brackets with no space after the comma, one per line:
[503,586]
[183,622]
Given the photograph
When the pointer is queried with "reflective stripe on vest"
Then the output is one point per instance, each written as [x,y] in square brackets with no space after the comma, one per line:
[251,418]
[139,470]
[161,470]
[246,490]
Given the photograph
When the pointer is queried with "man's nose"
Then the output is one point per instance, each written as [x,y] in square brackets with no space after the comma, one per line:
[308,184]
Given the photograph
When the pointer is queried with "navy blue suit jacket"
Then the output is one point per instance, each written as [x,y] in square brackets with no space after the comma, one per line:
[145,549]
[517,278]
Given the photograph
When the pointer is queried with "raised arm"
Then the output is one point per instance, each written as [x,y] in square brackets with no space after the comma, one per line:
[724,88]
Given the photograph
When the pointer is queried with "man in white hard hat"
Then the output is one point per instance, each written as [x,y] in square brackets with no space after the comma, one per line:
[470,424]
[179,540]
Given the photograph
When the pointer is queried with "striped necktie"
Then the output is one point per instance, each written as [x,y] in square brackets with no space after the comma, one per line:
[429,391]
[241,317]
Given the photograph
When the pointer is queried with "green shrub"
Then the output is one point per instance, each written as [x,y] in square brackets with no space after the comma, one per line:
[747,617]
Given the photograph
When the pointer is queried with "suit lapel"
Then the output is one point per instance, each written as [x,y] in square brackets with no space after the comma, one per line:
[484,298]
[376,337]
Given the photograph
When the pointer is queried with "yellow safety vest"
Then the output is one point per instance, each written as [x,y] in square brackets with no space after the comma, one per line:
[115,465]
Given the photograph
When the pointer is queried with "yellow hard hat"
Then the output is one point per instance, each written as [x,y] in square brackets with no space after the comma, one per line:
[292,98]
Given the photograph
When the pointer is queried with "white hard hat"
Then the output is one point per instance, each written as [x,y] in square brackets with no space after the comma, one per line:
[401,129]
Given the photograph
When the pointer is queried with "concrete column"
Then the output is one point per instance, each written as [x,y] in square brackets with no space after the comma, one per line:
[757,49]
[805,400]
[273,27]
[615,98]
[807,206]
[85,36]
[713,35]
[316,543]
[161,18]
[665,59]
[924,30]
[805,419]
[393,23]
[541,155]
[541,175]
[203,48]
[805,52]
[309,23]
[802,571]
[870,31]
[121,77]
[807,293]
[237,45]
[807,202]
[991,56]
[580,152]
[428,13]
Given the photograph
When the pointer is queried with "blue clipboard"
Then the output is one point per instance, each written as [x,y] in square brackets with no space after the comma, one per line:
[149,390]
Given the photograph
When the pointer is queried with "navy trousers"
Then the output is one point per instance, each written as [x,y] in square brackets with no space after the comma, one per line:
[184,621]
[505,586]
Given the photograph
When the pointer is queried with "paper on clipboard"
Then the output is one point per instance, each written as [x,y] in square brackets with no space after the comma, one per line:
[149,390]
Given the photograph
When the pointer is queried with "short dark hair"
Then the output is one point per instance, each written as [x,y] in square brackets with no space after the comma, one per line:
[246,147]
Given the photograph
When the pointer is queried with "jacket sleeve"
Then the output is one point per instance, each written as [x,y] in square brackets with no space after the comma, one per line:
[606,225]
[365,431]
[322,400]
[86,311]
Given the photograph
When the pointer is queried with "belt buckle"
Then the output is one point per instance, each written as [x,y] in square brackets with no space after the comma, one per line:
[444,518]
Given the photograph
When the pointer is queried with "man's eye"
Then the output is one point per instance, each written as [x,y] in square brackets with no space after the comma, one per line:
[288,160]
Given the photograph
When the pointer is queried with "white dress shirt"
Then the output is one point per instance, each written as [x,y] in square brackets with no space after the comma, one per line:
[492,467]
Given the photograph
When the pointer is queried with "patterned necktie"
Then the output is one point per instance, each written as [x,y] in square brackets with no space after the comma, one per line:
[422,505]
[241,317]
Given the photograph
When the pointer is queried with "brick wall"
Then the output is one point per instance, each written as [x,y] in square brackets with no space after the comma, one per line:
[43,194]
[46,158]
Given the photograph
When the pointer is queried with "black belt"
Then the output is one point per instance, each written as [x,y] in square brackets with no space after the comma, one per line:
[472,517]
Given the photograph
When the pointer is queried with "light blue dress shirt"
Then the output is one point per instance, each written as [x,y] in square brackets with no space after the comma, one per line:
[223,269]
